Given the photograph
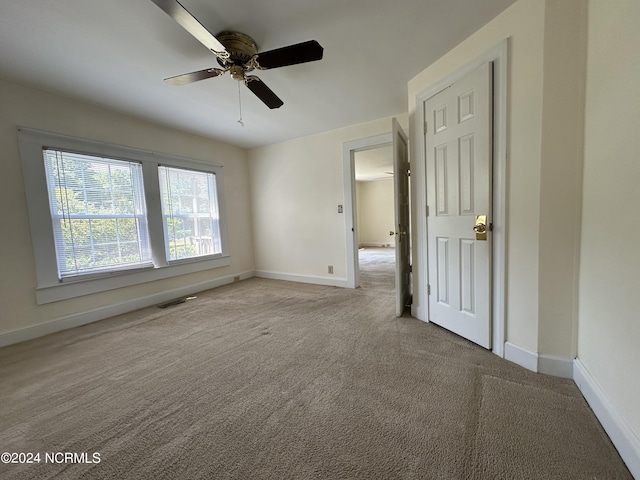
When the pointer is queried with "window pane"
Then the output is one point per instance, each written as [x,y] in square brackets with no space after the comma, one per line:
[98,213]
[190,213]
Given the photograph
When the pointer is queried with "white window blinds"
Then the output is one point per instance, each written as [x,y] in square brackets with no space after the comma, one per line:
[98,213]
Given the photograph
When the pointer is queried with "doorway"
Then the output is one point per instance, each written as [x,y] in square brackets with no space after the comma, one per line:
[349,152]
[378,162]
[375,214]
[374,196]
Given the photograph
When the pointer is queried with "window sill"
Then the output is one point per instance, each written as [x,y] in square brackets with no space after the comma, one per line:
[67,290]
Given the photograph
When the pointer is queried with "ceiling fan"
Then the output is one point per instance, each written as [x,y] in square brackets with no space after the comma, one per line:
[238,54]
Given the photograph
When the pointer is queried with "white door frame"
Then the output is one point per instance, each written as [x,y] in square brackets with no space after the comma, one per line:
[498,56]
[349,150]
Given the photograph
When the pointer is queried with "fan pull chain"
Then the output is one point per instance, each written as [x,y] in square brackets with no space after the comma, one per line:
[240,106]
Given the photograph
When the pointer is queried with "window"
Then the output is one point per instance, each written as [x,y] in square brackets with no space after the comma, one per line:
[106,216]
[98,213]
[190,213]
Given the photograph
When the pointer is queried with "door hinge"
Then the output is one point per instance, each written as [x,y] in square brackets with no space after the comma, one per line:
[428,289]
[425,128]
[427,208]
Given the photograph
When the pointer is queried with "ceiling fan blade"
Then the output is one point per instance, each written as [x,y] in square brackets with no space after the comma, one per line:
[293,54]
[186,78]
[175,10]
[263,92]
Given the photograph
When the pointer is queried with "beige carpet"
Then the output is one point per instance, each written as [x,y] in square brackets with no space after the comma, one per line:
[267,379]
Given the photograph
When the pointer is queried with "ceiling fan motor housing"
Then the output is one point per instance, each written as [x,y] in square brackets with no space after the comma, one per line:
[242,48]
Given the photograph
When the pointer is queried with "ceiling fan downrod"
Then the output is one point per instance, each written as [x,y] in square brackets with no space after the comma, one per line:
[240,106]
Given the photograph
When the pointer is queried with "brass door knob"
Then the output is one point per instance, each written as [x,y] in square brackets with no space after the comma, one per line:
[480,227]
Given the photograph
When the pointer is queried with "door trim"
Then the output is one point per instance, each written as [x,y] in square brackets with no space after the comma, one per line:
[497,55]
[349,150]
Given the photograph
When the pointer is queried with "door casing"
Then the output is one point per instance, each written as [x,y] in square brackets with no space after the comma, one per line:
[498,55]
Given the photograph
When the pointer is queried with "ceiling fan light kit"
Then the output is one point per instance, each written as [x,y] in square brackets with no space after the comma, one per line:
[237,53]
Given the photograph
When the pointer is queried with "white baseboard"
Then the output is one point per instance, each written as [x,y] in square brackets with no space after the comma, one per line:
[291,277]
[375,245]
[625,441]
[78,319]
[540,363]
[555,365]
[521,356]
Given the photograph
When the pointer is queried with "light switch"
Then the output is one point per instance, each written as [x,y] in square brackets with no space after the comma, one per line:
[339,208]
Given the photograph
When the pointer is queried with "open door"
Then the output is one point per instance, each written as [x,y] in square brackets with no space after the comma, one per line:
[402,215]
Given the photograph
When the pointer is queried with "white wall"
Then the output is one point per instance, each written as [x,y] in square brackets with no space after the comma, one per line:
[28,107]
[296,187]
[565,55]
[609,300]
[375,212]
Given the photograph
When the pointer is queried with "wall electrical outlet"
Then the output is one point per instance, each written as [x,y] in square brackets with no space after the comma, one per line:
[330,269]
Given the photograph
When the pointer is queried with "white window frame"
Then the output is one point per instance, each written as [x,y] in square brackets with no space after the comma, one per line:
[165,216]
[57,216]
[49,287]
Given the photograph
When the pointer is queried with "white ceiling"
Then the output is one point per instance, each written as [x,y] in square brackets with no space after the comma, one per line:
[115,53]
[374,164]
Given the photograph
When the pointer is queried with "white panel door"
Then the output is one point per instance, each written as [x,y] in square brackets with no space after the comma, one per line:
[402,215]
[458,147]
